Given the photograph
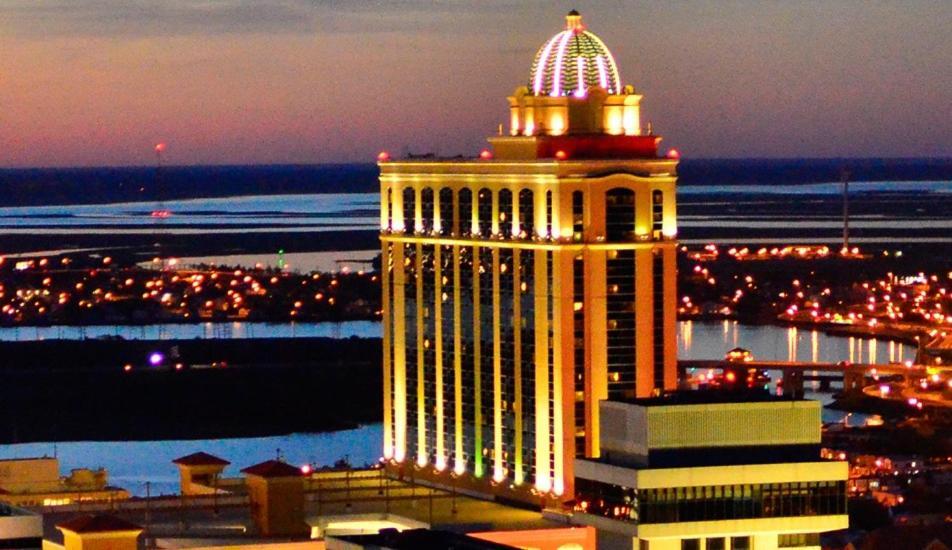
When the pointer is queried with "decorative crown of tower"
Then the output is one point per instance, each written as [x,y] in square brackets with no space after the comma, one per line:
[572,62]
[575,105]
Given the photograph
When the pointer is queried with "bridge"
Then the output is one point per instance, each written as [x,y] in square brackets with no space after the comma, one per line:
[794,373]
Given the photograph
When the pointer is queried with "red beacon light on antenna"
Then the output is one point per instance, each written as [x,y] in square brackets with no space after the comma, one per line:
[561,155]
[673,154]
[486,154]
[383,156]
[159,147]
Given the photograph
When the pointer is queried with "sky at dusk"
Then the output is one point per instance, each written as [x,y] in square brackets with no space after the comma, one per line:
[99,82]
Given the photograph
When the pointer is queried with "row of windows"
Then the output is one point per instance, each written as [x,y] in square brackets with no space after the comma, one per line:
[711,503]
[716,543]
[456,213]
[792,540]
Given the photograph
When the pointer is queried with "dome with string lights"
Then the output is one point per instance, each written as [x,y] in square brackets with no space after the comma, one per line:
[572,62]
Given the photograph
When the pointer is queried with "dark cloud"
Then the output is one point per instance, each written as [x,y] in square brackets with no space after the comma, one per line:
[48,18]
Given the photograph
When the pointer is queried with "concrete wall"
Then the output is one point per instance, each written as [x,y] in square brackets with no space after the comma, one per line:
[29,475]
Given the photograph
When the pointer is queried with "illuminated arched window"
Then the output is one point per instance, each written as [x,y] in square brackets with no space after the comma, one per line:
[427,207]
[620,214]
[409,209]
[484,210]
[505,213]
[657,210]
[526,213]
[449,221]
[465,216]
[578,215]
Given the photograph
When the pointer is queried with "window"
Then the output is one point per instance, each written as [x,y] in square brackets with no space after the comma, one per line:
[690,544]
[620,313]
[449,220]
[620,214]
[465,212]
[715,544]
[796,540]
[740,543]
[718,502]
[657,211]
[578,215]
[526,214]
[484,210]
[505,213]
[426,205]
[409,210]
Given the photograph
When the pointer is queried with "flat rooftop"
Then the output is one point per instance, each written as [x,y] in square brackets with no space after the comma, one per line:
[194,521]
[422,539]
[709,397]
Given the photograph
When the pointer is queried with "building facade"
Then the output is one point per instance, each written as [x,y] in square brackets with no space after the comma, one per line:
[37,482]
[715,471]
[522,287]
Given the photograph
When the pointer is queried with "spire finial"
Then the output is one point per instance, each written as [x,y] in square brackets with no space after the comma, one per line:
[573,21]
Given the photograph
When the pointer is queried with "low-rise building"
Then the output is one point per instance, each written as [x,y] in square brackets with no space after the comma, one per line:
[37,482]
[20,528]
[715,471]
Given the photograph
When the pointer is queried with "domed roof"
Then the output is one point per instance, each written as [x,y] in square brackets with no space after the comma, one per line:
[573,61]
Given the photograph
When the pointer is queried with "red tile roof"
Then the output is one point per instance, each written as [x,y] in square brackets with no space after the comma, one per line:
[201,459]
[97,524]
[273,468]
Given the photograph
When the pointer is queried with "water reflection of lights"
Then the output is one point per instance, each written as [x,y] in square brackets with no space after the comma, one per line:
[792,344]
[708,340]
[687,328]
[814,346]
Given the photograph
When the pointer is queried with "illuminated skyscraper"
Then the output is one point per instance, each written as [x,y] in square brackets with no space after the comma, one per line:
[523,286]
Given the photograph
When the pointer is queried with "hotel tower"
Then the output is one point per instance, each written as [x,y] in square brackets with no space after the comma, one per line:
[525,285]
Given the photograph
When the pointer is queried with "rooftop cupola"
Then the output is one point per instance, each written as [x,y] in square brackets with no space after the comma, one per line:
[574,88]
[572,62]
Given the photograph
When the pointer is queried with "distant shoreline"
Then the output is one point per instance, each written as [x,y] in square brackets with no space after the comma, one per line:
[103,185]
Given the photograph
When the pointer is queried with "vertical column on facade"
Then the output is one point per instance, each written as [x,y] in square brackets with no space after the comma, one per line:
[543,479]
[474,214]
[386,260]
[477,365]
[437,211]
[644,315]
[670,317]
[562,212]
[643,218]
[421,360]
[596,368]
[399,354]
[556,221]
[516,219]
[669,221]
[384,205]
[417,209]
[517,358]
[459,466]
[540,212]
[497,361]
[396,208]
[562,368]
[438,341]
